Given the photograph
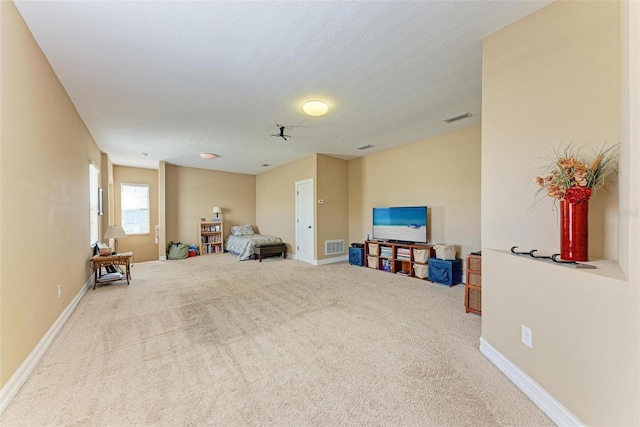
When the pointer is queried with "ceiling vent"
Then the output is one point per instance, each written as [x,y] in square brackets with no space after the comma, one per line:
[458,117]
[365,147]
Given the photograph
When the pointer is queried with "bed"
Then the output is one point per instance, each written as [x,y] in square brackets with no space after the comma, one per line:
[243,239]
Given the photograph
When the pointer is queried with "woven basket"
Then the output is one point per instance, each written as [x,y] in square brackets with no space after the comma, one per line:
[475,299]
[475,264]
[105,251]
[475,279]
[372,262]
[373,248]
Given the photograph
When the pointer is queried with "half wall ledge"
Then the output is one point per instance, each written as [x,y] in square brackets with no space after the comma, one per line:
[605,268]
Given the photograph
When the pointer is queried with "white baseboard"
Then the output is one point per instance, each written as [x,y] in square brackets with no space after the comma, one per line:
[162,258]
[20,376]
[292,256]
[546,402]
[331,260]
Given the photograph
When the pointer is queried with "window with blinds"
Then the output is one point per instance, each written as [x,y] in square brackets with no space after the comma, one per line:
[93,205]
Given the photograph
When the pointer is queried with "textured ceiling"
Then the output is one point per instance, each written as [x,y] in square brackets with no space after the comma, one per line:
[177,78]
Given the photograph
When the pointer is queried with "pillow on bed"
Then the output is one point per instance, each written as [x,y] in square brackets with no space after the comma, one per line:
[241,230]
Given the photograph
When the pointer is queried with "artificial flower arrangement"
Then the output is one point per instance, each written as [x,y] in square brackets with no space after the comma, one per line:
[572,178]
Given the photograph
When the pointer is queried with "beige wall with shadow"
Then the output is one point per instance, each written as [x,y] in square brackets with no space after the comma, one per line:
[554,77]
[192,193]
[143,246]
[44,181]
[442,173]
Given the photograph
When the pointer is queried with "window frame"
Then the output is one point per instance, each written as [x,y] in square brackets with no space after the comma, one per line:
[122,210]
[94,218]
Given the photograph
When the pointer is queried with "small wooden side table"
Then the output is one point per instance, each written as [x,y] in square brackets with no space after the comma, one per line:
[97,262]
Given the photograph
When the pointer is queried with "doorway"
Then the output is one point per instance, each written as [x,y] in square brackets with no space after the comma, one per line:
[305,234]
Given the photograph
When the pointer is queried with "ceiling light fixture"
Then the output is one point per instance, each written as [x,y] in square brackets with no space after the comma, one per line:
[208,156]
[458,117]
[365,147]
[265,165]
[144,154]
[315,108]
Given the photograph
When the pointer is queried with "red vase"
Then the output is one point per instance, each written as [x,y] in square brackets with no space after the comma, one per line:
[574,231]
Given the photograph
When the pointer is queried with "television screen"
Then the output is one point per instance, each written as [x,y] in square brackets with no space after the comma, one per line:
[402,224]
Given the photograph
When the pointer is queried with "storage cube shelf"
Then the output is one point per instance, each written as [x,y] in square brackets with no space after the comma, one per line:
[409,260]
[473,287]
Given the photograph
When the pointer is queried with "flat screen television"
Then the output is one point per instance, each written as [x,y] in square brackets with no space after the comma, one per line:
[400,224]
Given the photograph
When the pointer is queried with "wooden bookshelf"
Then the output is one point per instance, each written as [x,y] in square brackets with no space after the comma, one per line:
[211,237]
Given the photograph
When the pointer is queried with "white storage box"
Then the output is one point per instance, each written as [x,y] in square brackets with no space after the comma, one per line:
[373,248]
[420,255]
[372,262]
[446,252]
[421,271]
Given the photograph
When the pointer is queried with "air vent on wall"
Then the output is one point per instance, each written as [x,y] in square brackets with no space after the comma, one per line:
[333,247]
[458,117]
[365,147]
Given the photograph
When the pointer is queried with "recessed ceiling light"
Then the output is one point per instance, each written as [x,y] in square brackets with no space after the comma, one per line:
[144,154]
[265,165]
[458,117]
[365,147]
[315,108]
[208,156]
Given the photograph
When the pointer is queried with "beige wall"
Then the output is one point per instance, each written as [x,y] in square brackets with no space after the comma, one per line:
[332,222]
[192,193]
[553,77]
[442,173]
[143,245]
[108,199]
[44,194]
[275,199]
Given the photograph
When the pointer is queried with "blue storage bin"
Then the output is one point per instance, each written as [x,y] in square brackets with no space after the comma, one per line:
[356,256]
[447,272]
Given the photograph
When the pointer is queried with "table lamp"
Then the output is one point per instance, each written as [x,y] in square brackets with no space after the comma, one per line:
[217,211]
[115,232]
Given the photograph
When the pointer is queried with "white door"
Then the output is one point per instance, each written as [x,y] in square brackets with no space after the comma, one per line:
[305,240]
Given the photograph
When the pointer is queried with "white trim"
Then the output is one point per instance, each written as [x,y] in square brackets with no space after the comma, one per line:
[20,376]
[545,401]
[292,256]
[331,260]
[162,258]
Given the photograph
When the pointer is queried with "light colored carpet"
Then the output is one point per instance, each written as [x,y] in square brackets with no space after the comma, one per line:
[209,340]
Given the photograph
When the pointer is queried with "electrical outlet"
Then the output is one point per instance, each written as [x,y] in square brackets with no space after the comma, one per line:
[527,336]
[59,291]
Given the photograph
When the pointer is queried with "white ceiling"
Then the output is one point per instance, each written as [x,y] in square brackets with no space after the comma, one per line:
[178,78]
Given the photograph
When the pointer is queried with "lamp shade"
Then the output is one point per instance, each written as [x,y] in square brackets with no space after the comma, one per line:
[217,210]
[115,232]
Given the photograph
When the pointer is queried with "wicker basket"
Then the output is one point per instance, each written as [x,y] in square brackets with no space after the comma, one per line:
[420,255]
[372,262]
[474,300]
[475,279]
[446,252]
[475,264]
[373,248]
[421,271]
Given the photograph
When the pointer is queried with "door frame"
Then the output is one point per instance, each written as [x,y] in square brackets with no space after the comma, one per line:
[313,217]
